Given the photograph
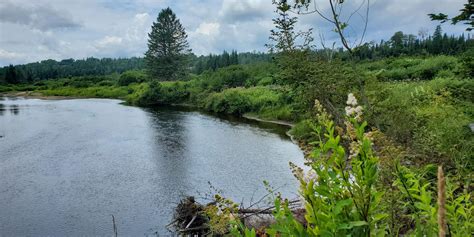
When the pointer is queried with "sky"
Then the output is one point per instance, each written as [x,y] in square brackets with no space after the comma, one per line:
[35,30]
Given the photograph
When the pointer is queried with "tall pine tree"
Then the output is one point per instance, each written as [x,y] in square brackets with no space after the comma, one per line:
[11,75]
[168,49]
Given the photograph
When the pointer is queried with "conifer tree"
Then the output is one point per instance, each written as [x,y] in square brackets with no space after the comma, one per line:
[11,75]
[168,49]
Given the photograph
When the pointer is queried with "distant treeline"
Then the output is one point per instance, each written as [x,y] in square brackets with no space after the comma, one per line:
[411,45]
[216,61]
[52,69]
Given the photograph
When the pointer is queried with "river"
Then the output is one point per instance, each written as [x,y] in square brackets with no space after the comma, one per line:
[66,166]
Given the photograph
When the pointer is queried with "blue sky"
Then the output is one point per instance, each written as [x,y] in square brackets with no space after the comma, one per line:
[34,30]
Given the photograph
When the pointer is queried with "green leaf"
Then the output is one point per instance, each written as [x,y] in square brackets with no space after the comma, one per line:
[341,204]
[358,223]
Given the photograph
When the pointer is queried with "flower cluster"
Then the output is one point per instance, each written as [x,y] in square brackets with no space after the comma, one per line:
[322,115]
[297,171]
[353,110]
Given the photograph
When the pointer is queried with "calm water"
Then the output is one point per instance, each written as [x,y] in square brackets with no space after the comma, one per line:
[66,166]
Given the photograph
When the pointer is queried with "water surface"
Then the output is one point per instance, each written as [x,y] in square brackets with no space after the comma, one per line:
[66,166]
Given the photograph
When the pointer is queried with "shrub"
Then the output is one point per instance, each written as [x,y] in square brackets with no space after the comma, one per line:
[146,94]
[302,131]
[467,62]
[241,100]
[228,77]
[130,77]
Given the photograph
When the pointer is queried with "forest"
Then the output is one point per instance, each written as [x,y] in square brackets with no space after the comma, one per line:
[387,127]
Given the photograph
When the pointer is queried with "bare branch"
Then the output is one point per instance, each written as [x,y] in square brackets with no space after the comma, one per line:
[338,28]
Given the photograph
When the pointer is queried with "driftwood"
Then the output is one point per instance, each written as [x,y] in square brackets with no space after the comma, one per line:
[190,219]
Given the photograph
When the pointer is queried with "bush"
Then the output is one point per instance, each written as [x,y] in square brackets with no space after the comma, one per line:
[241,100]
[302,131]
[130,77]
[467,62]
[146,94]
[228,77]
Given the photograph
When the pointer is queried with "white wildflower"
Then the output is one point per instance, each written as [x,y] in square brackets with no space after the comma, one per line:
[358,109]
[349,111]
[351,100]
[352,109]
[358,113]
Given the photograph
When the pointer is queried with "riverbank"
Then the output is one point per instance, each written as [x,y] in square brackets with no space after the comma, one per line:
[279,122]
[36,95]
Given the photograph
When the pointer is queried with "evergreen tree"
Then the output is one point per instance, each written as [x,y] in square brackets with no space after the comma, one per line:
[11,76]
[437,40]
[225,60]
[234,58]
[168,49]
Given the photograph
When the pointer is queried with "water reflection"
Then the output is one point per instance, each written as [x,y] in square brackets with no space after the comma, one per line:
[234,120]
[14,109]
[170,145]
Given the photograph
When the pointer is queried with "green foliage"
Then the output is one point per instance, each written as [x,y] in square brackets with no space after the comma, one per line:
[413,68]
[51,69]
[130,77]
[213,62]
[222,217]
[241,100]
[303,130]
[419,199]
[11,76]
[466,16]
[312,78]
[167,54]
[280,112]
[341,190]
[233,76]
[340,194]
[284,38]
[430,117]
[146,94]
[467,61]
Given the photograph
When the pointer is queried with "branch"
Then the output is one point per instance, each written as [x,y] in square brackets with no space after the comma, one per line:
[338,28]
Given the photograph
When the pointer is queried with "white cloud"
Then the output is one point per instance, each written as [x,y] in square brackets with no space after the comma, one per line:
[9,55]
[109,41]
[244,10]
[42,17]
[208,29]
[138,30]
